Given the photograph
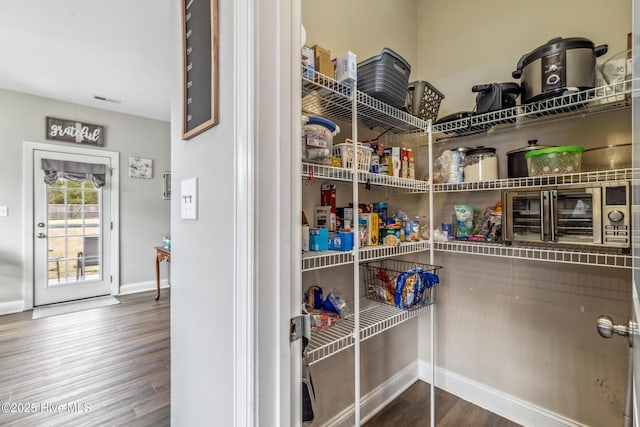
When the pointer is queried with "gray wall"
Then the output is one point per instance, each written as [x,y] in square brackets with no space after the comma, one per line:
[144,216]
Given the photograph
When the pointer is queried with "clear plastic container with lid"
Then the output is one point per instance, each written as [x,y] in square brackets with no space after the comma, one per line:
[554,160]
[481,164]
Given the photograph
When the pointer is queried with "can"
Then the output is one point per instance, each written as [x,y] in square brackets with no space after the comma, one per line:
[381,209]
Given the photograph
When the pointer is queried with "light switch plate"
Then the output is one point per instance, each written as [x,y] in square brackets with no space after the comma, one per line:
[189,198]
[4,210]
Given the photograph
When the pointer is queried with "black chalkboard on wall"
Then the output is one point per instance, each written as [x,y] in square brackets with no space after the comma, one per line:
[199,66]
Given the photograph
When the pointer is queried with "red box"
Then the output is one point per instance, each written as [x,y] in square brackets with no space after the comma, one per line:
[328,196]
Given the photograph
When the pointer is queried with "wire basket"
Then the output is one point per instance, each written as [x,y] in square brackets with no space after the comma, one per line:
[423,100]
[344,152]
[403,284]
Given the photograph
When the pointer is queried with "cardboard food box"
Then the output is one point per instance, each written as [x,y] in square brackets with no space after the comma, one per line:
[324,218]
[308,60]
[318,239]
[322,61]
[369,229]
[347,67]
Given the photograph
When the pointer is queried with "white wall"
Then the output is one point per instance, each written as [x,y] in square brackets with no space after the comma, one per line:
[202,325]
[363,27]
[526,328]
[144,215]
[463,43]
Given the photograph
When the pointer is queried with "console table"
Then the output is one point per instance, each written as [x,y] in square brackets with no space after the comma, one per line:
[162,254]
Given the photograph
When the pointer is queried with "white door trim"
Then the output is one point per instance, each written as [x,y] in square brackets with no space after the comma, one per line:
[28,149]
[244,336]
[274,66]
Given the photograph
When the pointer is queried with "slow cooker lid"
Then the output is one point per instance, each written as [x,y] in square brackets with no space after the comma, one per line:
[555,45]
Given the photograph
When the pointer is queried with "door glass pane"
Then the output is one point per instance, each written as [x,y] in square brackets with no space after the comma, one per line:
[74,224]
[574,212]
[526,216]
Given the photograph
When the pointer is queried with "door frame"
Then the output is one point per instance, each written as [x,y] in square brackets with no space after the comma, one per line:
[28,150]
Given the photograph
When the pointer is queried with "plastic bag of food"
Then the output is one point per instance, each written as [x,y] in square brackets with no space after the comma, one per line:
[464,220]
[335,303]
[408,285]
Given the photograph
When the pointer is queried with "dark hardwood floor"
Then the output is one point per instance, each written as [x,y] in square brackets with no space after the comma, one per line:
[412,409]
[107,366]
[110,366]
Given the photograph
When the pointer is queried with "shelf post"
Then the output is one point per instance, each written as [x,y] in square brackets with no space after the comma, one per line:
[431,261]
[356,253]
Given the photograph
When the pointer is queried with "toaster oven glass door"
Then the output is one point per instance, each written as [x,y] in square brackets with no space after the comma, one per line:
[526,216]
[577,216]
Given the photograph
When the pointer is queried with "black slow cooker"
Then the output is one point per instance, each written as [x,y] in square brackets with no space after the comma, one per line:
[558,66]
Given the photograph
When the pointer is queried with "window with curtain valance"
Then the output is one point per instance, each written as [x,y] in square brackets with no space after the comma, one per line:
[74,171]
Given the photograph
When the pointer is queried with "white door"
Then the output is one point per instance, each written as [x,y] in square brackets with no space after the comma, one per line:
[71,231]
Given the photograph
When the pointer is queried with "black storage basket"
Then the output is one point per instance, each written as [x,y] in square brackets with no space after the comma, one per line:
[380,278]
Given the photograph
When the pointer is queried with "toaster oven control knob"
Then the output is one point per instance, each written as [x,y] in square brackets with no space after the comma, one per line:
[553,68]
[616,216]
[553,79]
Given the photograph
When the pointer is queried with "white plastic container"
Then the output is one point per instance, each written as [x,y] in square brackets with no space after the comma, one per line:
[317,140]
[481,164]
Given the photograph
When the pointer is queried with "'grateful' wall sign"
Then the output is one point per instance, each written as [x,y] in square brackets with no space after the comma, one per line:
[72,131]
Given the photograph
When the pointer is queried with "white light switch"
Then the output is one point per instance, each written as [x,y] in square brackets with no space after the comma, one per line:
[4,210]
[189,198]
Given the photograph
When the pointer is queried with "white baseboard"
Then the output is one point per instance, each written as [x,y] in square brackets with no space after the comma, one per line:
[132,288]
[9,307]
[496,401]
[378,398]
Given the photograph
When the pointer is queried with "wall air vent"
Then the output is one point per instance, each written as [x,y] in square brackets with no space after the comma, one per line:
[105,99]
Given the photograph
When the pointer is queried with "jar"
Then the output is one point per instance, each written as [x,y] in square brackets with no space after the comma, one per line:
[451,164]
[481,164]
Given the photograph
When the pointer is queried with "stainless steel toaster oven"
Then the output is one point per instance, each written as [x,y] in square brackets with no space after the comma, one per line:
[595,214]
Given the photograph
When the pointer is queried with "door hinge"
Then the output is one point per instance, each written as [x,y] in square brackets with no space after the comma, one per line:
[112,225]
[110,279]
[299,326]
[110,171]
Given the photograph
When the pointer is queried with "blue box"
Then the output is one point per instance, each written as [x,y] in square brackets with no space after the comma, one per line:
[342,242]
[319,239]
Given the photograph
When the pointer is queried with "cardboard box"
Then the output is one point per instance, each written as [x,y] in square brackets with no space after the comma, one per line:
[411,172]
[318,239]
[404,168]
[305,238]
[328,196]
[342,242]
[322,61]
[324,218]
[369,224]
[393,159]
[347,67]
[308,61]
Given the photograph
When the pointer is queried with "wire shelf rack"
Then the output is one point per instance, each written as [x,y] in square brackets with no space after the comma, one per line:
[375,318]
[580,256]
[541,181]
[324,96]
[604,98]
[310,170]
[318,260]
